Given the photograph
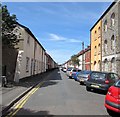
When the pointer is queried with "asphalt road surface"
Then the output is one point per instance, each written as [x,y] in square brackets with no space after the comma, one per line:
[59,95]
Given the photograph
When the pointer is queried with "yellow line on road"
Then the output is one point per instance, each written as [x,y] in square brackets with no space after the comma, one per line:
[20,104]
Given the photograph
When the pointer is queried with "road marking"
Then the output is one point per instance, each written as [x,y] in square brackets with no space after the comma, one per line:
[21,103]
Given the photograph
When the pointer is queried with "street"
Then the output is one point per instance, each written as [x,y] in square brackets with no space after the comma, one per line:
[59,95]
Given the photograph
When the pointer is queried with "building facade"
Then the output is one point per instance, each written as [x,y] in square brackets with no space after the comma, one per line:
[111,38]
[96,37]
[87,58]
[31,55]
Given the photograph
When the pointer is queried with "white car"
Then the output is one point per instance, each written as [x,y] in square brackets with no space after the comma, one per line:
[69,71]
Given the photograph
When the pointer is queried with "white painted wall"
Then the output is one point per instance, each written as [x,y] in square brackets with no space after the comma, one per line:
[80,63]
[27,50]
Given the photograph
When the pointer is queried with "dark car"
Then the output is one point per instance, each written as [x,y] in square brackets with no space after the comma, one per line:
[101,80]
[83,76]
[112,99]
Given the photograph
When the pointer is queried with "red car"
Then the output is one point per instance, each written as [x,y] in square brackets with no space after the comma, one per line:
[112,99]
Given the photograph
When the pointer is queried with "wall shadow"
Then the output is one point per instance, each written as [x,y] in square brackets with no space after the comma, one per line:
[28,112]
[47,76]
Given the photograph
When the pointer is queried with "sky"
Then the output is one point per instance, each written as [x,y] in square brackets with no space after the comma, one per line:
[60,27]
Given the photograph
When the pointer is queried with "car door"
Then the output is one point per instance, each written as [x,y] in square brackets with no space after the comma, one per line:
[112,79]
[116,77]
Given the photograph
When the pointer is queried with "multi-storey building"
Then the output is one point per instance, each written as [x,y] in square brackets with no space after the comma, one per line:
[111,38]
[96,33]
[87,58]
[31,54]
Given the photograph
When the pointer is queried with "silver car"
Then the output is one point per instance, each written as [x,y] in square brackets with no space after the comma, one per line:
[71,71]
[83,76]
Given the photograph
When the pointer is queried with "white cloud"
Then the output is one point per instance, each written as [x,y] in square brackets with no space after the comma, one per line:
[74,41]
[54,37]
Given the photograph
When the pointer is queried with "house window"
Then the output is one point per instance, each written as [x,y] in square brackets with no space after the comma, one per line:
[99,31]
[99,65]
[95,36]
[105,46]
[113,19]
[28,39]
[95,51]
[113,64]
[95,66]
[35,45]
[27,64]
[99,51]
[105,26]
[106,65]
[35,65]
[112,43]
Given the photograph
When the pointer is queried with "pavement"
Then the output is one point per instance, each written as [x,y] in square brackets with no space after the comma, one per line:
[13,92]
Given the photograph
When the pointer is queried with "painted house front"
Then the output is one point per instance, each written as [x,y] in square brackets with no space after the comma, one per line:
[96,46]
[81,61]
[87,58]
[31,54]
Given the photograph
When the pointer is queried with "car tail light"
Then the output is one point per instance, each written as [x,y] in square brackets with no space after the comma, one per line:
[106,81]
[109,91]
[88,77]
[70,73]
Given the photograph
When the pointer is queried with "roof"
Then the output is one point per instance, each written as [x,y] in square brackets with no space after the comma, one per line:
[30,33]
[113,3]
[83,51]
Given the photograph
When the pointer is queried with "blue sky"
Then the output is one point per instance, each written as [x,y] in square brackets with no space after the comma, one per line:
[59,27]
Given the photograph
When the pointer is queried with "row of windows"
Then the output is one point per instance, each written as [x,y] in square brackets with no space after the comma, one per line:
[97,33]
[109,66]
[95,49]
[97,66]
[112,19]
[112,44]
[28,42]
[35,64]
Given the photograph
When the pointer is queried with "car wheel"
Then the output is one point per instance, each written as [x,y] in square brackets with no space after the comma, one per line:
[81,83]
[111,113]
[88,88]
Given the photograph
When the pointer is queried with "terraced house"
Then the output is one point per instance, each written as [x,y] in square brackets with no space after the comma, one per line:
[111,38]
[31,58]
[96,37]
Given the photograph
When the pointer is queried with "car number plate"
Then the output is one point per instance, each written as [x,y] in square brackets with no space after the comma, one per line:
[96,86]
[81,80]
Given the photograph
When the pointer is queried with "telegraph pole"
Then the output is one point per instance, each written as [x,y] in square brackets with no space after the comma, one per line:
[83,56]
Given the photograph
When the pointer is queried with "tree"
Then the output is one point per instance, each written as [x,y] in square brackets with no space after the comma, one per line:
[75,60]
[8,25]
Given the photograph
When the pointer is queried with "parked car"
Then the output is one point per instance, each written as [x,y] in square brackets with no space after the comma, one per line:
[69,71]
[112,99]
[83,76]
[101,80]
[75,73]
[64,69]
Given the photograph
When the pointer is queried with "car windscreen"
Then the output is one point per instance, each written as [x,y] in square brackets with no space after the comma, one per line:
[69,69]
[86,72]
[117,84]
[98,75]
